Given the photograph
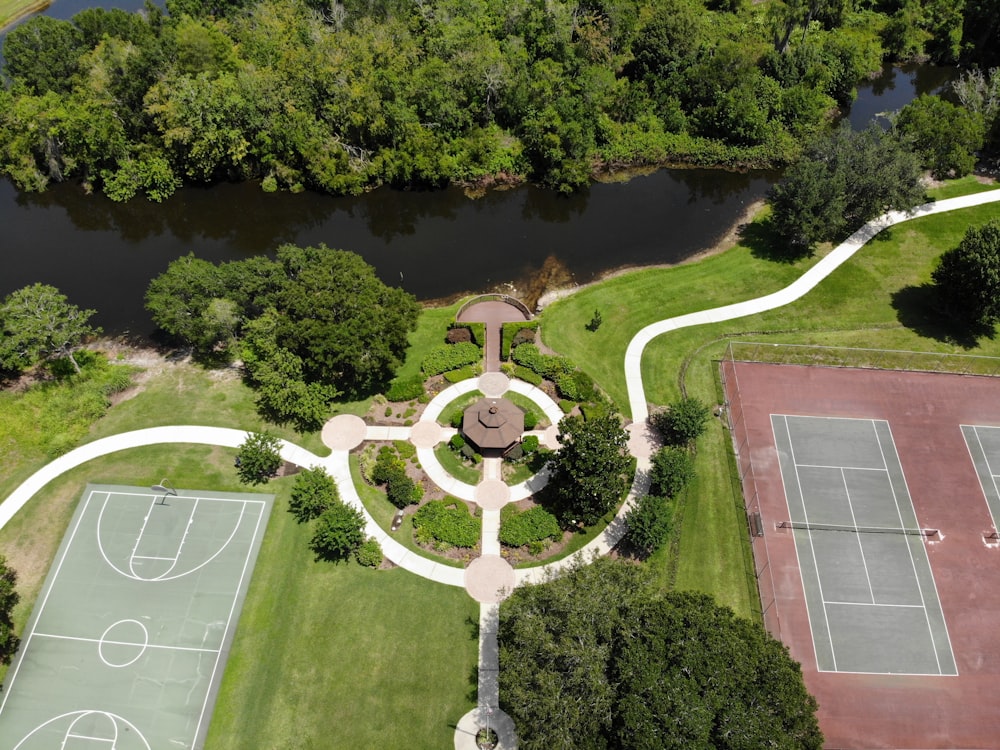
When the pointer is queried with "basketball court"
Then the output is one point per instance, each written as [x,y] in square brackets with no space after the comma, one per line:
[872,502]
[128,640]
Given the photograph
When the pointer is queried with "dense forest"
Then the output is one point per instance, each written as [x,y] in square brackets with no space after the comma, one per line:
[345,96]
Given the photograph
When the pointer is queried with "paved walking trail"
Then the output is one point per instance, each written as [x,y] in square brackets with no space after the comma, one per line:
[489,578]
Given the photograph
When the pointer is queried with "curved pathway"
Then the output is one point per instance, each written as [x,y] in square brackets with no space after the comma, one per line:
[344,433]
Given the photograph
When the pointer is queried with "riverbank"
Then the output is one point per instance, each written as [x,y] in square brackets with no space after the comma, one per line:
[12,11]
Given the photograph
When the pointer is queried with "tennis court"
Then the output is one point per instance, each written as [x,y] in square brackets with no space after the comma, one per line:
[873,605]
[984,448]
[872,508]
[127,643]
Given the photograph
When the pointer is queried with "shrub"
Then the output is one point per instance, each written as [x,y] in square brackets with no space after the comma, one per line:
[462,373]
[683,421]
[510,331]
[546,365]
[508,369]
[576,385]
[313,492]
[446,523]
[594,410]
[530,420]
[403,491]
[458,335]
[258,459]
[648,523]
[405,389]
[529,444]
[405,449]
[457,442]
[528,376]
[450,357]
[339,531]
[385,463]
[366,462]
[457,417]
[672,470]
[388,411]
[534,525]
[516,453]
[566,405]
[369,554]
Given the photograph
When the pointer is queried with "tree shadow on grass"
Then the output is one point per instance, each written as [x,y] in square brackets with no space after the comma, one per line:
[919,309]
[765,243]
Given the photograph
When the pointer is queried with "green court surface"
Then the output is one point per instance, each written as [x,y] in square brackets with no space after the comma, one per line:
[127,643]
[984,447]
[870,593]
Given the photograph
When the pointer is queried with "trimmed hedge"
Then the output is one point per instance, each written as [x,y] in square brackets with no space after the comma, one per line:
[405,389]
[446,523]
[462,373]
[546,365]
[528,376]
[510,330]
[577,385]
[390,470]
[476,330]
[450,357]
[534,525]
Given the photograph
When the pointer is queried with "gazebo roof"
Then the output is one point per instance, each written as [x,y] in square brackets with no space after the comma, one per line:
[493,423]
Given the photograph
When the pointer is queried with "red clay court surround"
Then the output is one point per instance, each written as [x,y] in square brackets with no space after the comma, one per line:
[925,412]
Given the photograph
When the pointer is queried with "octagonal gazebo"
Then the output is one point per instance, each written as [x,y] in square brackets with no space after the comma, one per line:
[493,424]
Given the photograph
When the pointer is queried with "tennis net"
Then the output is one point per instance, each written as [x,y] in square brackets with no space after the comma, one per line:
[807,526]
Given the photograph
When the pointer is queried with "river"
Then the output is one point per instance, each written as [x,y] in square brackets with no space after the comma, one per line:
[435,244]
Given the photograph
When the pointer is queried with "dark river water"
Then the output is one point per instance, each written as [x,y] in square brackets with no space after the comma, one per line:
[434,244]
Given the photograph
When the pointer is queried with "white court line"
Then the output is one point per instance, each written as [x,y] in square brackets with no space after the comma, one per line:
[186,497]
[878,604]
[812,547]
[226,632]
[41,608]
[975,467]
[986,458]
[909,549]
[841,468]
[125,643]
[861,546]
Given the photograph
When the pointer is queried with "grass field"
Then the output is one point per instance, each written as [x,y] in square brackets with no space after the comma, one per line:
[864,303]
[11,10]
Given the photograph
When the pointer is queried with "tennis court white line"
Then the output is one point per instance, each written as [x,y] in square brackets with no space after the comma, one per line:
[861,546]
[876,604]
[841,468]
[812,547]
[986,459]
[909,549]
[125,643]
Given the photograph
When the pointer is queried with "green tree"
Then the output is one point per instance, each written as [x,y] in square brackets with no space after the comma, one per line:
[671,472]
[37,322]
[313,492]
[946,136]
[9,598]
[349,329]
[692,674]
[968,277]
[258,458]
[590,471]
[649,522]
[593,659]
[683,421]
[844,180]
[43,53]
[340,530]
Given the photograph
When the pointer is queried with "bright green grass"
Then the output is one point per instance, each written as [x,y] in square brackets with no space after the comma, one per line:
[528,407]
[454,465]
[11,10]
[457,406]
[432,327]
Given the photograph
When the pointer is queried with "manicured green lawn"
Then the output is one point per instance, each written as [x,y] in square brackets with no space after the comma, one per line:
[455,466]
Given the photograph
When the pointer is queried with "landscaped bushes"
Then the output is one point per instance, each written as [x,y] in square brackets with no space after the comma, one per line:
[477,331]
[528,376]
[530,527]
[446,523]
[577,385]
[513,331]
[546,365]
[450,357]
[405,389]
[462,373]
[390,470]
